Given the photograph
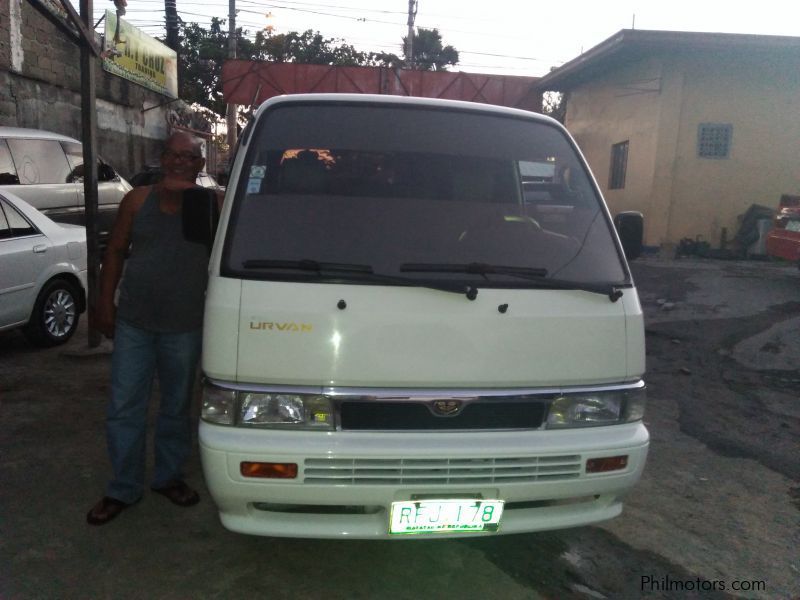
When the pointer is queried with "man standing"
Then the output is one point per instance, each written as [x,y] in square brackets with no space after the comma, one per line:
[156,330]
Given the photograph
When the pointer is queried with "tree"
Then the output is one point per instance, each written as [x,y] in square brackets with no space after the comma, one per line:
[554,104]
[308,47]
[429,53]
[202,53]
[386,59]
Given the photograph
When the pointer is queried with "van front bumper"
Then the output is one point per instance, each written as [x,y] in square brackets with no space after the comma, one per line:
[346,481]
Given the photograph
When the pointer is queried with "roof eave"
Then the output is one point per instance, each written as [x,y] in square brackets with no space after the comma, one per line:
[628,40]
[558,78]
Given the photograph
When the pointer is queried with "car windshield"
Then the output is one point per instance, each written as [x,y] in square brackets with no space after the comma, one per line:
[416,193]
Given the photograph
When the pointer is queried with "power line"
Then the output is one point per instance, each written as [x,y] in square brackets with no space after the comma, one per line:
[326,14]
[331,6]
[151,25]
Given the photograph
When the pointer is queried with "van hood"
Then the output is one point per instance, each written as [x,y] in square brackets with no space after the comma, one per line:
[379,336]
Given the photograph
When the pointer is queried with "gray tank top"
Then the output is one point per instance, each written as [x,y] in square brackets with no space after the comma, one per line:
[164,282]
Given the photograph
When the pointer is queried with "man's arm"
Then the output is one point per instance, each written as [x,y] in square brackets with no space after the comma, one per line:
[114,259]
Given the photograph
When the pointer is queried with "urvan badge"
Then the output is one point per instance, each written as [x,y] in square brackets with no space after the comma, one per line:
[289,327]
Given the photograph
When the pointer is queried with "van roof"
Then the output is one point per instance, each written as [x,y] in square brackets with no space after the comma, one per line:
[24,132]
[388,99]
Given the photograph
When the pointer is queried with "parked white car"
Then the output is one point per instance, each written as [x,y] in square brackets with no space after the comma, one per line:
[42,273]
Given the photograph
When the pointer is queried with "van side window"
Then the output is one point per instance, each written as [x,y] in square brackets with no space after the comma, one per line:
[8,173]
[39,161]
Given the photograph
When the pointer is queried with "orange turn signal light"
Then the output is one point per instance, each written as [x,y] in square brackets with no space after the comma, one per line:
[609,463]
[268,470]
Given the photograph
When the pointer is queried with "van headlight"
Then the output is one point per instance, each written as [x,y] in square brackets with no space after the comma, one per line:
[597,408]
[262,409]
[304,411]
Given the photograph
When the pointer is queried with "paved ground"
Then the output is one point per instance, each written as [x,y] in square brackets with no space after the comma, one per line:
[719,502]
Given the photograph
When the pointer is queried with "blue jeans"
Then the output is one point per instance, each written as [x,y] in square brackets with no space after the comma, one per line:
[138,356]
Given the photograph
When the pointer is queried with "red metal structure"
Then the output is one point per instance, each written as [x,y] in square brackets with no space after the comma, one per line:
[251,82]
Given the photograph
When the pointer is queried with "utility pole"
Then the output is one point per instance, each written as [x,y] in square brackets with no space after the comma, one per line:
[171,12]
[89,137]
[412,14]
[171,17]
[231,114]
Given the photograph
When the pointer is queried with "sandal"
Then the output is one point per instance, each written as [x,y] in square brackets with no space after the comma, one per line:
[179,493]
[106,510]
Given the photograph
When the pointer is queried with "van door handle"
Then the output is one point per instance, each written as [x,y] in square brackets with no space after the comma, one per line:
[40,248]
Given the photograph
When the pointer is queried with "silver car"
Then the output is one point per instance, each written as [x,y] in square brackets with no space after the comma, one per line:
[46,170]
[42,273]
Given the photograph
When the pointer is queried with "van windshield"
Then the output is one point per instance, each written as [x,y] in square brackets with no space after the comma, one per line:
[330,192]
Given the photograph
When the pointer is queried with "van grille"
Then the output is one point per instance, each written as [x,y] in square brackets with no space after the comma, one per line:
[414,471]
[376,415]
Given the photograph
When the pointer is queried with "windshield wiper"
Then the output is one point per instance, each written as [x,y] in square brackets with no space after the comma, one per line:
[613,292]
[475,268]
[536,274]
[306,265]
[358,273]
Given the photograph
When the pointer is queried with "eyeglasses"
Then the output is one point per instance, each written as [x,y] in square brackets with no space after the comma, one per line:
[187,156]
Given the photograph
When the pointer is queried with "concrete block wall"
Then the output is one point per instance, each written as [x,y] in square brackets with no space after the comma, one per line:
[49,55]
[5,34]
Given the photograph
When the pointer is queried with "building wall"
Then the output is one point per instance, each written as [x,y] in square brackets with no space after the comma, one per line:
[760,97]
[658,103]
[623,107]
[40,88]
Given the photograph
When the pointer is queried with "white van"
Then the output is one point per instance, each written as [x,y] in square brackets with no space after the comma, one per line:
[419,322]
[46,170]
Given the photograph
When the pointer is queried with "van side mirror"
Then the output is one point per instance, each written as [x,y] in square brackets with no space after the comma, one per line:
[630,227]
[200,215]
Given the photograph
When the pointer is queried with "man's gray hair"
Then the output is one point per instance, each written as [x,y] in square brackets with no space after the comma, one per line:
[197,143]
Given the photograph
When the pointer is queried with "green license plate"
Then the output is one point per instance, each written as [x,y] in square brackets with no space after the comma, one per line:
[445,516]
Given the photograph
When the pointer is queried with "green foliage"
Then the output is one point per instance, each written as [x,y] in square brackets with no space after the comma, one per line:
[200,64]
[308,48]
[386,59]
[429,53]
[554,104]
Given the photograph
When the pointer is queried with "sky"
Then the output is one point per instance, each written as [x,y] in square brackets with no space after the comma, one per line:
[507,37]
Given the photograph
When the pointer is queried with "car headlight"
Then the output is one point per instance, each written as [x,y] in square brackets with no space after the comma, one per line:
[259,409]
[597,408]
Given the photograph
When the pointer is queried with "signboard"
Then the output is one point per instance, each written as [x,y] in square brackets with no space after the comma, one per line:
[135,56]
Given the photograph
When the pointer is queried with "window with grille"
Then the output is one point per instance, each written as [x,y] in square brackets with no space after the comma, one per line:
[619,165]
[714,140]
